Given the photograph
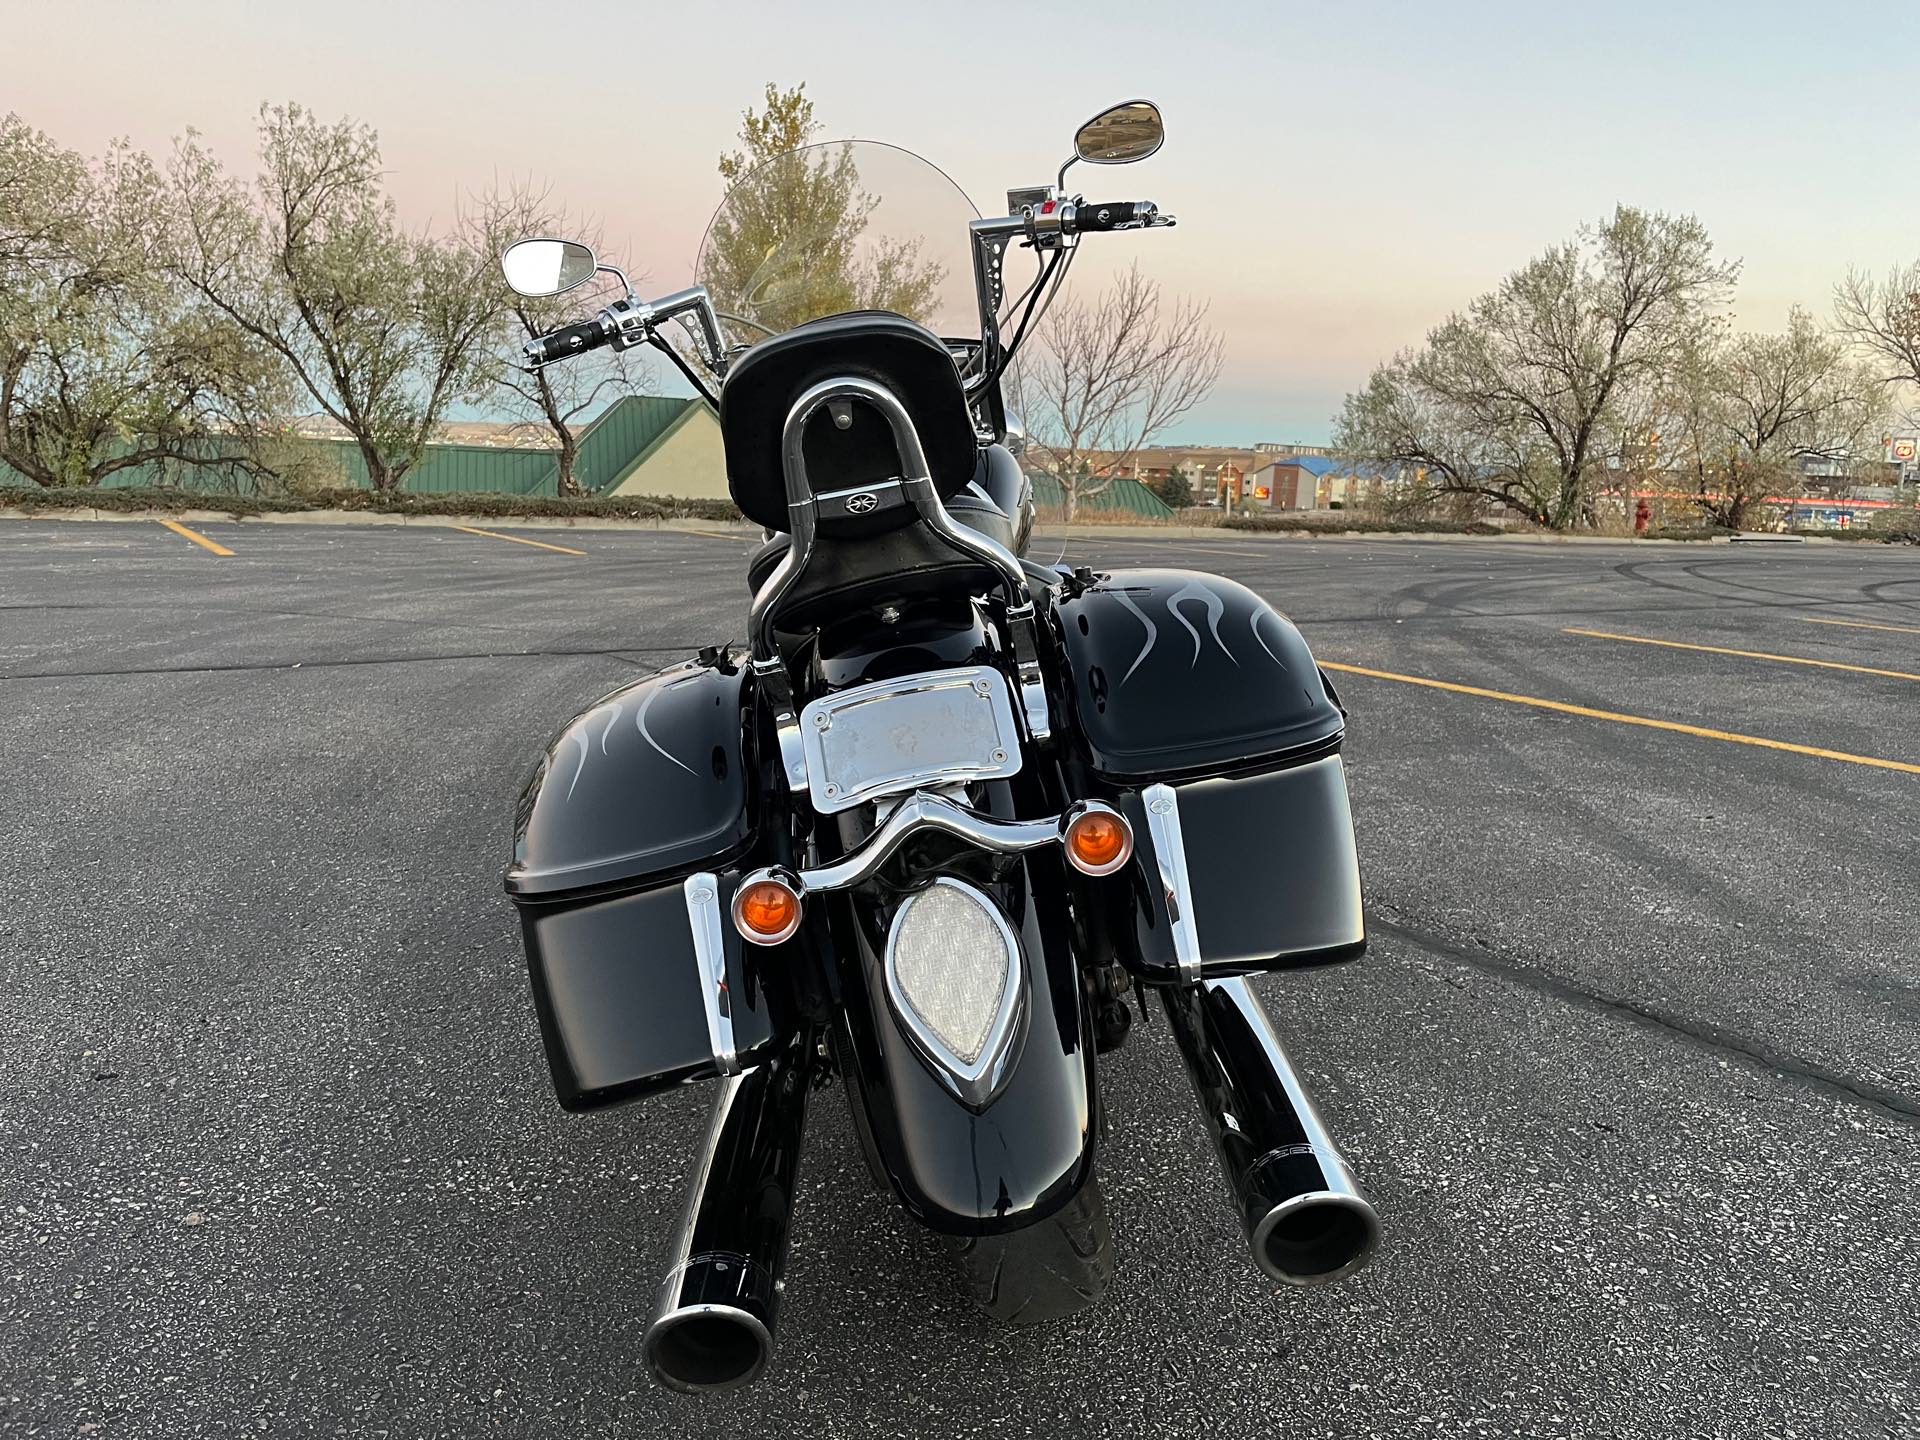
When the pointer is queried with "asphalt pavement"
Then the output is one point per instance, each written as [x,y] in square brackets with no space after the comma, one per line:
[1632,1070]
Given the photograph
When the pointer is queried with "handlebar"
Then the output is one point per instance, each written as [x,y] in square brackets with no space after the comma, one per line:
[568,340]
[1092,215]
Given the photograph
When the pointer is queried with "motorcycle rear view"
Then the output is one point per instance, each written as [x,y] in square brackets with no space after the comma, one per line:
[945,811]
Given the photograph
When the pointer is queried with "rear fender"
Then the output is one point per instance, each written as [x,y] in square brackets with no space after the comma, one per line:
[1028,1150]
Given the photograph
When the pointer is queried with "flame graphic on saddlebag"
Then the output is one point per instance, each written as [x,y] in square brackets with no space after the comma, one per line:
[580,739]
[1215,608]
[640,721]
[1153,633]
[1257,614]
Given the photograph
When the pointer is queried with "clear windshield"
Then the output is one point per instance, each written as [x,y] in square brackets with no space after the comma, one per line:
[851,225]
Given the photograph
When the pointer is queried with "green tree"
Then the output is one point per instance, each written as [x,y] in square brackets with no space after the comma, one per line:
[105,363]
[384,329]
[1746,412]
[1176,490]
[1516,399]
[794,240]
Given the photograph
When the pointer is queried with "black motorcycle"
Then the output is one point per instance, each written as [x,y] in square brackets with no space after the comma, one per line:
[947,810]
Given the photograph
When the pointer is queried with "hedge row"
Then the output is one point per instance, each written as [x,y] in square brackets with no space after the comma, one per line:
[609,507]
[1686,532]
[35,498]
[402,502]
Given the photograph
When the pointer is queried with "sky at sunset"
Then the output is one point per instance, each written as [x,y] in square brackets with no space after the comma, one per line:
[1344,174]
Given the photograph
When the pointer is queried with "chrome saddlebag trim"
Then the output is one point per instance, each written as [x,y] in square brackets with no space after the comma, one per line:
[1170,860]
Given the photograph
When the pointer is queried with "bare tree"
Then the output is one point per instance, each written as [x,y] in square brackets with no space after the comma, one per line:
[1515,400]
[1749,411]
[1882,317]
[383,328]
[105,363]
[556,398]
[1101,379]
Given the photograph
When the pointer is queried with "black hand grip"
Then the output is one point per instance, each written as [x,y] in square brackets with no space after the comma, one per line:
[567,340]
[1112,214]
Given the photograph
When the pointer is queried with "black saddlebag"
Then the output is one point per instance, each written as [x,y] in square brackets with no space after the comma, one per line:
[1201,713]
[634,803]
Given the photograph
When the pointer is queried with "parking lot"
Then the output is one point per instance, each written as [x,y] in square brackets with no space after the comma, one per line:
[1632,1070]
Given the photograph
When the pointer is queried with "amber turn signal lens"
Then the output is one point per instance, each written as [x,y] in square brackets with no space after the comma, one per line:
[766,911]
[1098,842]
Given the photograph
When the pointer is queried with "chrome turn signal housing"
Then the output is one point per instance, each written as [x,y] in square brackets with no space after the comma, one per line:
[955,978]
[766,907]
[1097,838]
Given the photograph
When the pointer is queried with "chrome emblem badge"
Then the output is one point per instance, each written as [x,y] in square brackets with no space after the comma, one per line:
[863,503]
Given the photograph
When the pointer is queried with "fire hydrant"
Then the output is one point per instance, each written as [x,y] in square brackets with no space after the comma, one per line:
[1641,515]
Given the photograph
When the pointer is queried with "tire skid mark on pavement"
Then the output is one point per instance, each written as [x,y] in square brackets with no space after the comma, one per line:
[1708,1036]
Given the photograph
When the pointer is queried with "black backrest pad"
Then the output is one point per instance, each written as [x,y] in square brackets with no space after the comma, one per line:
[874,344]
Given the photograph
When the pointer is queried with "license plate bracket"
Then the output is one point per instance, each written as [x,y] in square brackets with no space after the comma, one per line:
[936,727]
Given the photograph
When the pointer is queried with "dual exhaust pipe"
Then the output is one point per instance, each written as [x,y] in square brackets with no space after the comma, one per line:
[713,1320]
[1304,1215]
[1305,1218]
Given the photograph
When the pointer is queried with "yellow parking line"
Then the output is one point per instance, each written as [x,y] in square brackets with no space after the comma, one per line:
[1745,654]
[196,537]
[538,544]
[1618,718]
[1862,624]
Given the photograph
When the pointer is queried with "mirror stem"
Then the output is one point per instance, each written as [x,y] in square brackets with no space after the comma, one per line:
[618,274]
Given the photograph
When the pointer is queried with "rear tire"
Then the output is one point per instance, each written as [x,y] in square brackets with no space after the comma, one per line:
[1056,1267]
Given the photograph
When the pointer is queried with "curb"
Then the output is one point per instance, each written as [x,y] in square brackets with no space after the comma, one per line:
[367,517]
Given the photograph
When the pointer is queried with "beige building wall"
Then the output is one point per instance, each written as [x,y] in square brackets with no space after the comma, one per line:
[688,462]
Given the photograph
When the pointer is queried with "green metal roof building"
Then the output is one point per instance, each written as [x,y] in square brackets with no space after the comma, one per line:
[1122,497]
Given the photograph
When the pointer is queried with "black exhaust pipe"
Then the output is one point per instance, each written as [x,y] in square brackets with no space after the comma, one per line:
[1302,1210]
[713,1322]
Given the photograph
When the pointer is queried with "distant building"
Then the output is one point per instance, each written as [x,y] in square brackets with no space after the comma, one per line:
[1291,482]
[684,458]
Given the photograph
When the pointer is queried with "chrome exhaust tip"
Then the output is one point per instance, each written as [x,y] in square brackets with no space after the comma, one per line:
[1305,1218]
[1315,1238]
[703,1347]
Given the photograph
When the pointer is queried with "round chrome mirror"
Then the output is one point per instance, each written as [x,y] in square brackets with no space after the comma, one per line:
[547,267]
[1121,134]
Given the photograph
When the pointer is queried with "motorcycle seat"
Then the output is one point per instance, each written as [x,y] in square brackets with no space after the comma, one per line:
[971,507]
